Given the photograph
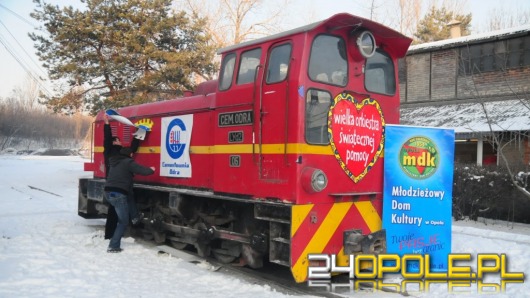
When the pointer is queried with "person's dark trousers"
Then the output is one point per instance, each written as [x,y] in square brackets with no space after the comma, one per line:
[112,221]
[119,201]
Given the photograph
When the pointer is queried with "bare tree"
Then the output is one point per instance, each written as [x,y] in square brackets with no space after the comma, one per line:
[500,18]
[505,142]
[24,122]
[401,15]
[234,21]
[372,8]
[409,13]
[10,123]
[27,95]
[455,6]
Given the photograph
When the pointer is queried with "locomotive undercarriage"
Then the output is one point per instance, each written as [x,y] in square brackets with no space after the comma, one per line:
[229,229]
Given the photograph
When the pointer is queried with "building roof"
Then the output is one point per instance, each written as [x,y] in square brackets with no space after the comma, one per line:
[470,39]
[469,119]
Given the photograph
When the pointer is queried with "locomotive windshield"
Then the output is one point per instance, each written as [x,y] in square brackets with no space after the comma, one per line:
[379,74]
[328,63]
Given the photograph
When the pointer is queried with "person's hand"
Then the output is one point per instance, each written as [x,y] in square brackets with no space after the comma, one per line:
[106,118]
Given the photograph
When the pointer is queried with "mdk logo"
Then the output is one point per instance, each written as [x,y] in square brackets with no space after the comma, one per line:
[419,157]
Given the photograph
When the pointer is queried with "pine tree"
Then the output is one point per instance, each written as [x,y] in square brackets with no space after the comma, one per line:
[434,26]
[115,53]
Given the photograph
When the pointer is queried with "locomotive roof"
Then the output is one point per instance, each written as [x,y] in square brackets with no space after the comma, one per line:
[389,37]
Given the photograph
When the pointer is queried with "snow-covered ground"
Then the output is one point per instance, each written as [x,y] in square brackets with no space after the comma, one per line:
[47,250]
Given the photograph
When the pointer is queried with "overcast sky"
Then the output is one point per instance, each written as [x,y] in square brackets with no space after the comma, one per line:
[19,62]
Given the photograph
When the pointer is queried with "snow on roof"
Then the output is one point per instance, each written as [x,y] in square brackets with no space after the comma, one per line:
[470,118]
[474,38]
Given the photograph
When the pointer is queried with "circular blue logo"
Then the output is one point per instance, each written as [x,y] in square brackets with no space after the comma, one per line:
[176,138]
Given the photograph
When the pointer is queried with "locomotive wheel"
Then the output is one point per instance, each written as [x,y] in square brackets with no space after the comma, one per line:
[228,252]
[223,258]
[203,249]
[251,256]
[178,245]
[160,237]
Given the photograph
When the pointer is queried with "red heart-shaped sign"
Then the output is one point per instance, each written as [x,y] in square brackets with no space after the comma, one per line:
[357,134]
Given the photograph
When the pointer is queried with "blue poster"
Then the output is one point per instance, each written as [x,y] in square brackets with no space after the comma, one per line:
[417,195]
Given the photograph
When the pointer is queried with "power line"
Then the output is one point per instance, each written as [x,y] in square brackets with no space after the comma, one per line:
[18,58]
[18,16]
[28,71]
[29,56]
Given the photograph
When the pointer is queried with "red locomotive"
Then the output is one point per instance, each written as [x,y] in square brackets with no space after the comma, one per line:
[281,157]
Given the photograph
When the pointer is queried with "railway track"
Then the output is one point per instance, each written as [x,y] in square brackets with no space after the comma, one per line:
[280,279]
[276,276]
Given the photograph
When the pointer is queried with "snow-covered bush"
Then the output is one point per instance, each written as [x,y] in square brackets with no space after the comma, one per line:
[488,192]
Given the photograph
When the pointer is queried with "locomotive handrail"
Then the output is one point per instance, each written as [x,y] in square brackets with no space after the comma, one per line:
[260,117]
[286,133]
[92,142]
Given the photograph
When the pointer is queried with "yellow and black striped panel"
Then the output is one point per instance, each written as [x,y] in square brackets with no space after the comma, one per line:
[319,229]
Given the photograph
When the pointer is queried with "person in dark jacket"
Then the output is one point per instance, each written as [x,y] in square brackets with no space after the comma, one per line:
[111,147]
[117,189]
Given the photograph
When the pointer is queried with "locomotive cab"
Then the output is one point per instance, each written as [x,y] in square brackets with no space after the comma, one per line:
[285,149]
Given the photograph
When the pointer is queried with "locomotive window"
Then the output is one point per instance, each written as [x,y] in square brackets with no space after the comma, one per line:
[247,66]
[278,63]
[317,106]
[379,74]
[328,63]
[227,71]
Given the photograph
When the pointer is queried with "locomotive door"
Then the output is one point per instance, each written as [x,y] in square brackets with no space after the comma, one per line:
[272,114]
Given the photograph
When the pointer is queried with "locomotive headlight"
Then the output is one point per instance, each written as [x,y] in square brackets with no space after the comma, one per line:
[314,180]
[366,44]
[319,181]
